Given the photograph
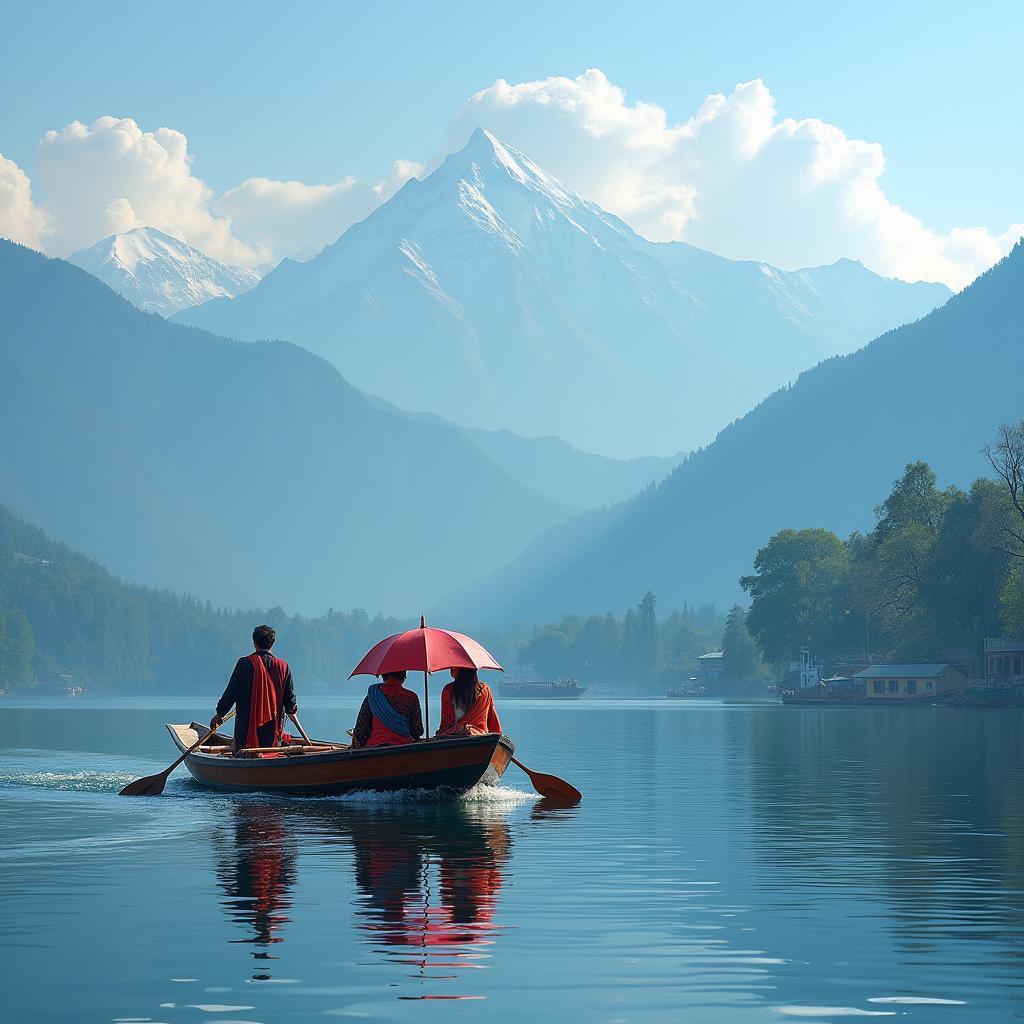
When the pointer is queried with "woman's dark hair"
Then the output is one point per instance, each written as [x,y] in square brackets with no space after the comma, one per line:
[263,638]
[400,676]
[464,688]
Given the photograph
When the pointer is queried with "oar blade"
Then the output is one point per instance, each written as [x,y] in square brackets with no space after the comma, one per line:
[152,785]
[551,787]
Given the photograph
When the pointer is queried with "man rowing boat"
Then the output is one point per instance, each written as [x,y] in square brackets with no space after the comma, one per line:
[262,690]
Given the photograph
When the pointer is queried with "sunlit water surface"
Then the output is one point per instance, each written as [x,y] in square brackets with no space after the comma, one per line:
[728,864]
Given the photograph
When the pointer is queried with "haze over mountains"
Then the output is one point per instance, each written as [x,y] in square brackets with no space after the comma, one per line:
[493,295]
[817,454]
[242,474]
[159,273]
[550,466]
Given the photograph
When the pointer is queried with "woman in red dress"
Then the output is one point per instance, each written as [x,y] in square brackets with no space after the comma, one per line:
[467,706]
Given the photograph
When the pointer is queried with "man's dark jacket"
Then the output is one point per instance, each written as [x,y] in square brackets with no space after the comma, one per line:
[239,693]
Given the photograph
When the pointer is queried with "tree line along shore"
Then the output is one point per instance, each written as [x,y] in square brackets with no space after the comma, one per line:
[941,570]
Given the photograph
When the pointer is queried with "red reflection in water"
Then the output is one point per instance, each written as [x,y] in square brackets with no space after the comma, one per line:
[429,880]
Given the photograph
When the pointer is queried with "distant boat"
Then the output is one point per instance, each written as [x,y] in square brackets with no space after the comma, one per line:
[541,690]
[74,691]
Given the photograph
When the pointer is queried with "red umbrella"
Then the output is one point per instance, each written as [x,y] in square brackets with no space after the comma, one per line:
[424,650]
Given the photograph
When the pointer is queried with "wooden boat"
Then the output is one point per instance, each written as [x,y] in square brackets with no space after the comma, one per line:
[544,690]
[331,769]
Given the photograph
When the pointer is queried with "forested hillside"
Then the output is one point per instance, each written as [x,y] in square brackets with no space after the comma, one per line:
[61,613]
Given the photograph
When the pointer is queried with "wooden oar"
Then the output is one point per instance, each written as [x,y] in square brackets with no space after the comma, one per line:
[298,725]
[551,786]
[153,785]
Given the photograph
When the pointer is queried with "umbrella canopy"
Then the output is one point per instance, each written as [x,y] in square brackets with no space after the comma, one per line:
[424,650]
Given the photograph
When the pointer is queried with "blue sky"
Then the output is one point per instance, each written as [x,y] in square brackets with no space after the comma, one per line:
[313,92]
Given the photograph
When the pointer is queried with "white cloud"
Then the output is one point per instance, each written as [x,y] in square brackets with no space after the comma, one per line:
[112,176]
[401,172]
[286,216]
[20,219]
[734,178]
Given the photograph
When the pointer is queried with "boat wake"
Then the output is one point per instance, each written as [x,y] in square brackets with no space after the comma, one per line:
[71,781]
[481,795]
[66,771]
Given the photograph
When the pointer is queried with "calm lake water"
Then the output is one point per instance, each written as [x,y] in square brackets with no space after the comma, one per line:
[728,864]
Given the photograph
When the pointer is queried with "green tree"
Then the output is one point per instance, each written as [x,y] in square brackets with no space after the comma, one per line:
[630,648]
[1006,457]
[551,650]
[1012,602]
[900,556]
[800,592]
[965,573]
[647,642]
[741,659]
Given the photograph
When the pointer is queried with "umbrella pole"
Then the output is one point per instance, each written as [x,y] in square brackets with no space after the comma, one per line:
[426,703]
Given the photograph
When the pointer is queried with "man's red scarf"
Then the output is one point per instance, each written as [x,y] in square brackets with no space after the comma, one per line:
[263,708]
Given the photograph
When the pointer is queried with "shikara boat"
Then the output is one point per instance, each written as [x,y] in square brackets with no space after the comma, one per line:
[334,768]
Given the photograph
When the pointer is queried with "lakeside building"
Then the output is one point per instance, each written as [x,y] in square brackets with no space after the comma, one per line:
[803,673]
[709,668]
[1004,661]
[900,682]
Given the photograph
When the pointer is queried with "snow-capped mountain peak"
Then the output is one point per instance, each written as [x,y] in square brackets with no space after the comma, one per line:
[483,151]
[493,294]
[160,273]
[520,190]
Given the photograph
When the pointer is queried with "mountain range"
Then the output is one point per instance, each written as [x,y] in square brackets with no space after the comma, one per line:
[160,273]
[817,454]
[552,467]
[248,475]
[493,295]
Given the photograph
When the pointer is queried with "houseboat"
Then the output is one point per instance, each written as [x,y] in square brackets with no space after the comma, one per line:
[512,689]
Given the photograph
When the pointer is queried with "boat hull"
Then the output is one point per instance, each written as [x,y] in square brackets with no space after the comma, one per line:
[451,763]
[543,693]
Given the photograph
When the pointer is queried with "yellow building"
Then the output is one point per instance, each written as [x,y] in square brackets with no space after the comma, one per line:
[905,682]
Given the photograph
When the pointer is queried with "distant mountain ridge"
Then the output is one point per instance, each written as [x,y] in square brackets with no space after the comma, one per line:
[493,295]
[552,467]
[816,454]
[160,273]
[250,475]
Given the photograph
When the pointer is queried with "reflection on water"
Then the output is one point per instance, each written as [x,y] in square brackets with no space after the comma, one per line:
[428,879]
[728,865]
[430,897]
[256,869]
